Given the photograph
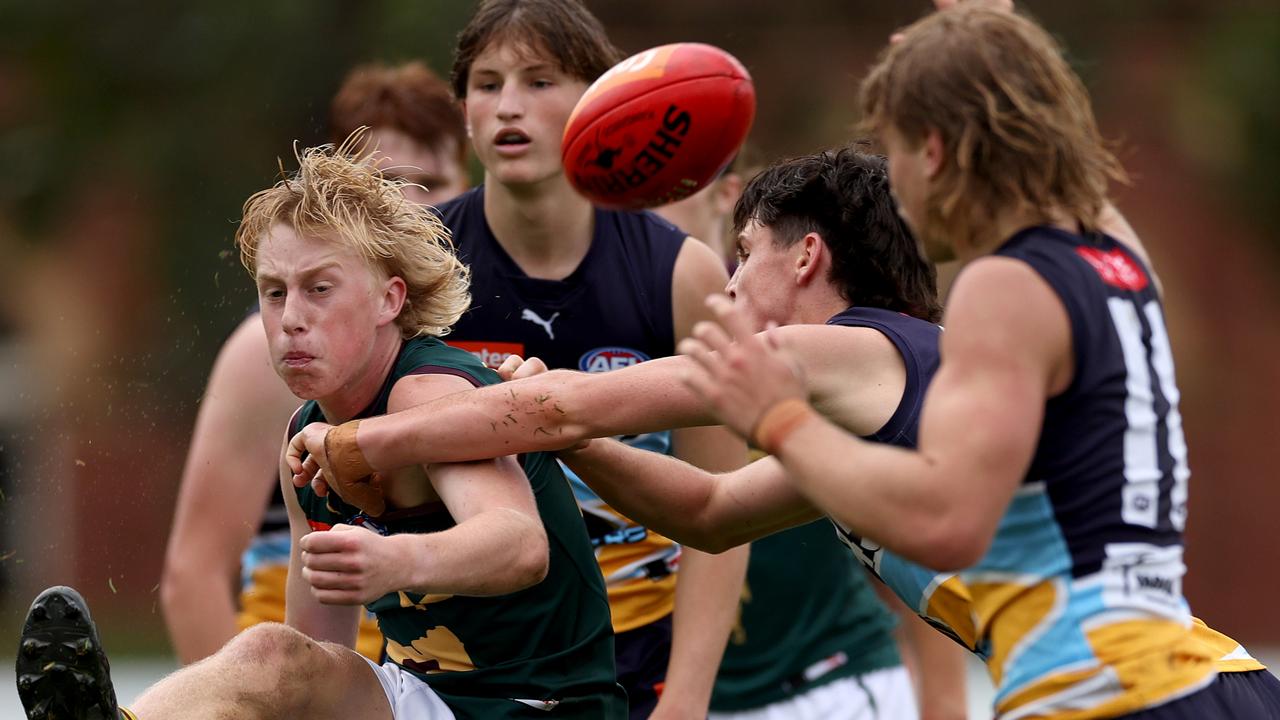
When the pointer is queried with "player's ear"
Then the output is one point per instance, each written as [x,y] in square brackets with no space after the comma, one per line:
[934,153]
[466,118]
[393,295]
[809,258]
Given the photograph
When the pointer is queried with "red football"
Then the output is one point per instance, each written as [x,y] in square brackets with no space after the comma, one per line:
[658,126]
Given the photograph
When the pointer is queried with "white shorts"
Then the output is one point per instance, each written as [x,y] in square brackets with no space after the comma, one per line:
[408,696]
[881,695]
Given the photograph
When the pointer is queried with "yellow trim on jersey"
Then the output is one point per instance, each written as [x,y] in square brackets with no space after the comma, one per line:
[1230,655]
[438,644]
[1020,609]
[637,603]
[1175,667]
[263,601]
[951,603]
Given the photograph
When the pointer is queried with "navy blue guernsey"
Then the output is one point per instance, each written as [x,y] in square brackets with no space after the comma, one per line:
[1078,601]
[612,311]
[938,598]
[917,343]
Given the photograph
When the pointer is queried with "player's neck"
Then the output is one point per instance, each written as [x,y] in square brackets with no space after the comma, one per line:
[357,395]
[818,306]
[545,227]
[1006,224]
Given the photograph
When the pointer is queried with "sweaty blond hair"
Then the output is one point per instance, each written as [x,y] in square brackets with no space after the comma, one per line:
[339,193]
[1015,121]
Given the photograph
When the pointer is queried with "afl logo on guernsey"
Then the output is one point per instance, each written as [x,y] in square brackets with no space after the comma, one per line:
[610,358]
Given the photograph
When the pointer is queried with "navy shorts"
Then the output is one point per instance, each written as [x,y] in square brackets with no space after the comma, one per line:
[642,656]
[1253,695]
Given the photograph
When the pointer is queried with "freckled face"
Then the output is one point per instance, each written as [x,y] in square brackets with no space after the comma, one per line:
[322,305]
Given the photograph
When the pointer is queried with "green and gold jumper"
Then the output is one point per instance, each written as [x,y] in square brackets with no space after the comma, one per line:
[542,652]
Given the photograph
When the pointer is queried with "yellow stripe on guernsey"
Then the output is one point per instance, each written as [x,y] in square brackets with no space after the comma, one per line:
[263,601]
[638,564]
[1229,655]
[1066,648]
[627,560]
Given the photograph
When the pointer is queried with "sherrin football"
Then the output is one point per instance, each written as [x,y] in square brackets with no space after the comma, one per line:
[658,126]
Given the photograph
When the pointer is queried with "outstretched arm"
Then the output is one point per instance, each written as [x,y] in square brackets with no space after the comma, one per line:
[1006,349]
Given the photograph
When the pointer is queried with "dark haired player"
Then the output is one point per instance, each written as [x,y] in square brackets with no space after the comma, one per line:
[1052,470]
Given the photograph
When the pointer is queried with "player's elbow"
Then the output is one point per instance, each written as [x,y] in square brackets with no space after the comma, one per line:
[952,544]
[531,561]
[712,543]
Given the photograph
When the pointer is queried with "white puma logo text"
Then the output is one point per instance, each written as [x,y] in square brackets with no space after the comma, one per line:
[532,317]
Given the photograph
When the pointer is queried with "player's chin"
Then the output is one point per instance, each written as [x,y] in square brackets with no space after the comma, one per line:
[305,384]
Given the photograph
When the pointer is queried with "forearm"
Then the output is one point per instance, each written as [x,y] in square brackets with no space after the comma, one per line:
[657,491]
[545,412]
[896,497]
[199,610]
[495,552]
[708,591]
[939,671]
[326,623]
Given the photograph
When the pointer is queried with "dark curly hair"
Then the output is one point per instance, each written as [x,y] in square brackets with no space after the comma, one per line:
[843,196]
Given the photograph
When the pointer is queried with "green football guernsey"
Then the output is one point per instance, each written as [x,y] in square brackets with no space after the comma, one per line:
[542,652]
[808,616]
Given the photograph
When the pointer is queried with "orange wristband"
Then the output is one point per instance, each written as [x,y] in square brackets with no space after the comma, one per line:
[344,454]
[778,422]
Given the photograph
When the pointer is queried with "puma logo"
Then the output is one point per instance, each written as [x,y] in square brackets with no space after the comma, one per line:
[533,317]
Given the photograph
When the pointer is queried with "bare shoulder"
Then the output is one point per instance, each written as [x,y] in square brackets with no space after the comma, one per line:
[855,375]
[1002,313]
[412,390]
[697,274]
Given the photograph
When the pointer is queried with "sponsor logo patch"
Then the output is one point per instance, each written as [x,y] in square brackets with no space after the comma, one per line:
[610,358]
[490,353]
[1115,267]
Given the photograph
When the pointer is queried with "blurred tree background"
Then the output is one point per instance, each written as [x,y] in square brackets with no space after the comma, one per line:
[132,132]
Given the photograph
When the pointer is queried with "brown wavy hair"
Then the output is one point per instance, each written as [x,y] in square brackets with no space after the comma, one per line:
[563,31]
[1016,122]
[334,194]
[409,98]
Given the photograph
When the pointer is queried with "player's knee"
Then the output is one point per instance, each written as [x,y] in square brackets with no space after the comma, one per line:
[273,648]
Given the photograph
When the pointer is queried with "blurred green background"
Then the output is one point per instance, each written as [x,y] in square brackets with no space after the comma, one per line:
[130,134]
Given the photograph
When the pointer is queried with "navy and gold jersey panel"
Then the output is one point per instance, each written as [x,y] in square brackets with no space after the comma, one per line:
[917,343]
[1112,454]
[939,598]
[550,640]
[1078,601]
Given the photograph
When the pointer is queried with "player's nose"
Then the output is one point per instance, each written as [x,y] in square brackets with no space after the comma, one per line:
[510,101]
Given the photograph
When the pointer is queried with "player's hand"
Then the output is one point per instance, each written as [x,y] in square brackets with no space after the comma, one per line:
[516,367]
[349,565]
[739,373]
[320,442]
